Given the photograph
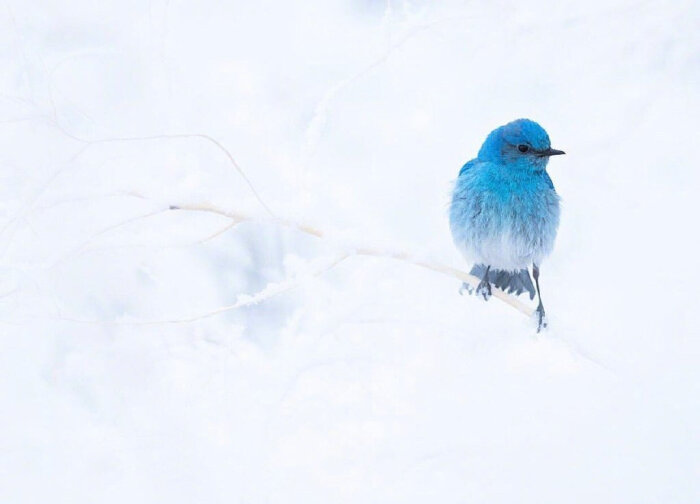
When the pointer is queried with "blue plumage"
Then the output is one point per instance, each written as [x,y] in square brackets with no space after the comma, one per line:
[505,212]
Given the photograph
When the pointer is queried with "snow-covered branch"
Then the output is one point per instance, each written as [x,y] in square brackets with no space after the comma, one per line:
[316,268]
[361,250]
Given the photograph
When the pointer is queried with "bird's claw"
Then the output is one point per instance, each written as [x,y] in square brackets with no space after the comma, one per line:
[484,290]
[541,318]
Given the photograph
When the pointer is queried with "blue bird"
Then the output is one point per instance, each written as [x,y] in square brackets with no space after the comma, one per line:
[504,213]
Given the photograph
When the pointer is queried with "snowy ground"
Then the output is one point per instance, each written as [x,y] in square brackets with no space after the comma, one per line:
[371,381]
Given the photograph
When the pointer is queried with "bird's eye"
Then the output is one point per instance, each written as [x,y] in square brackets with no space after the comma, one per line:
[523,148]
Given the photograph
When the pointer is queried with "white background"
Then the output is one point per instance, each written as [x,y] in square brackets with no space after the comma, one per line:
[373,381]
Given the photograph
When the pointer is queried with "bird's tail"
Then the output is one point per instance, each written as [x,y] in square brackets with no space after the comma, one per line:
[509,281]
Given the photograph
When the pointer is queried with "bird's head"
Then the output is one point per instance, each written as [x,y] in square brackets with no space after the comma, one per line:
[521,143]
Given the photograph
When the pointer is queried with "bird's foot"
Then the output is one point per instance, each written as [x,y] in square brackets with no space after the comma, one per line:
[466,288]
[483,290]
[541,318]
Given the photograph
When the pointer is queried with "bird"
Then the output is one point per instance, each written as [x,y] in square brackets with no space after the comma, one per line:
[504,212]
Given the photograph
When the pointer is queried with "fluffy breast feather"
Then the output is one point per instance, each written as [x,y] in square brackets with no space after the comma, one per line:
[503,218]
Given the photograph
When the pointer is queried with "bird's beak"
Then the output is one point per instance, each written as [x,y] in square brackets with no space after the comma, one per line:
[550,152]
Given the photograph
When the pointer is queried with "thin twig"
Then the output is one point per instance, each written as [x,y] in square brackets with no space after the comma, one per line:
[173,136]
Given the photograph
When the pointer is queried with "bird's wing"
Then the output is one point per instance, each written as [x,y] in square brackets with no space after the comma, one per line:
[468,165]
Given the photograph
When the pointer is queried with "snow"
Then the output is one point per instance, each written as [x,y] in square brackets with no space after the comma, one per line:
[341,379]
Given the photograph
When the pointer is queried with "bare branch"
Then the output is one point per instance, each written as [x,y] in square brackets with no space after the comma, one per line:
[374,252]
[274,289]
